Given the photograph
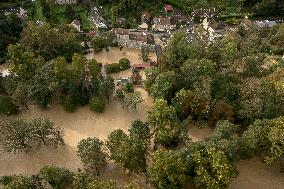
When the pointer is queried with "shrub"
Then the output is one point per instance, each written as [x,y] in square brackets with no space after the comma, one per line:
[221,111]
[129,88]
[58,178]
[69,104]
[112,68]
[7,107]
[124,64]
[97,105]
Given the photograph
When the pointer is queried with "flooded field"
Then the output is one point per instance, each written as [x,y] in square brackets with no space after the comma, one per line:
[84,123]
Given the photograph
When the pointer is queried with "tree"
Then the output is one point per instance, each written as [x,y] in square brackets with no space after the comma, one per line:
[19,135]
[221,111]
[145,53]
[163,120]
[23,62]
[132,100]
[106,88]
[58,178]
[15,135]
[179,50]
[169,169]
[60,67]
[192,103]
[23,182]
[91,153]
[10,29]
[44,132]
[7,107]
[130,151]
[164,86]
[151,75]
[97,104]
[264,138]
[124,64]
[51,42]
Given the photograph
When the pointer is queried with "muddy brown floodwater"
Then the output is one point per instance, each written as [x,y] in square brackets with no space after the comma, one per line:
[84,123]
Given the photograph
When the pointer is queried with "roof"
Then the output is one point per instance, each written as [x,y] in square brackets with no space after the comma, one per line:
[163,20]
[76,22]
[168,8]
[120,20]
[265,23]
[247,22]
[120,31]
[138,37]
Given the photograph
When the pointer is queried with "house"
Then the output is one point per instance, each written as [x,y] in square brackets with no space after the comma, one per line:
[19,11]
[168,8]
[97,19]
[163,24]
[65,2]
[210,29]
[246,22]
[265,23]
[120,22]
[77,25]
[133,38]
[144,26]
[198,15]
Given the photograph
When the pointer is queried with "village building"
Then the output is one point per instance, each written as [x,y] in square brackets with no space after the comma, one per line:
[265,23]
[163,24]
[168,8]
[97,19]
[143,26]
[213,29]
[120,22]
[77,25]
[65,2]
[19,11]
[133,38]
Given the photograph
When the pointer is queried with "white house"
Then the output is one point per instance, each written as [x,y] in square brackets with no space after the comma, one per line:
[77,25]
[163,24]
[144,26]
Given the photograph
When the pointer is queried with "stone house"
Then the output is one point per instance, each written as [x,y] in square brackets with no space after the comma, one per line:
[133,38]
[65,2]
[77,25]
[163,24]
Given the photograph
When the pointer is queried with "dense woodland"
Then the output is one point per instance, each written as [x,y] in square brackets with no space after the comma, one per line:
[228,85]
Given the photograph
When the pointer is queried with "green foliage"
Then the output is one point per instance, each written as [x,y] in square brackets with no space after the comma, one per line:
[69,104]
[10,29]
[101,41]
[179,50]
[112,68]
[130,151]
[221,111]
[23,62]
[58,178]
[23,182]
[50,42]
[169,169]
[163,120]
[145,53]
[191,103]
[212,169]
[97,104]
[7,107]
[124,64]
[91,153]
[132,100]
[265,138]
[19,135]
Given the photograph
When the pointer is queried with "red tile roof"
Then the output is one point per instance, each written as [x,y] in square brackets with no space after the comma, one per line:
[168,8]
